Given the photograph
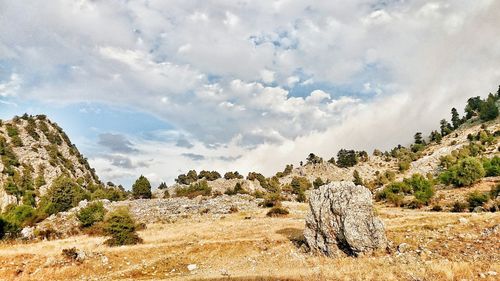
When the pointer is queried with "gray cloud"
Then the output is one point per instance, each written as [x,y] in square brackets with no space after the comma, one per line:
[194,156]
[116,143]
[182,142]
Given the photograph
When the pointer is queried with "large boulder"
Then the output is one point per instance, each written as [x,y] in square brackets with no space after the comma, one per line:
[342,220]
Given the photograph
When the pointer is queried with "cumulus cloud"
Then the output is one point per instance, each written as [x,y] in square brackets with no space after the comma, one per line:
[247,81]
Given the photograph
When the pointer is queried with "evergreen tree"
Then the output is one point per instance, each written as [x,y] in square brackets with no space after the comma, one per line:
[418,138]
[455,118]
[141,188]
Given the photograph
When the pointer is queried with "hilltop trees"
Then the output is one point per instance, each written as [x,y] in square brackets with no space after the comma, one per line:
[346,158]
[141,188]
[455,118]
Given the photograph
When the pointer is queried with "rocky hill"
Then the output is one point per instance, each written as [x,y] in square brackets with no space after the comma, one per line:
[35,151]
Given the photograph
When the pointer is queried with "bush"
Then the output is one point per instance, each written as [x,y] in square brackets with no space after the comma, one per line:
[141,188]
[232,175]
[271,200]
[459,207]
[63,194]
[436,208]
[357,178]
[8,228]
[423,189]
[395,198]
[91,214]
[122,229]
[466,172]
[318,182]
[238,189]
[495,191]
[476,199]
[492,166]
[194,190]
[277,211]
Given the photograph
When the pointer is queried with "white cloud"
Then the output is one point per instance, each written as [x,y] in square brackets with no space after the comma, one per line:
[228,74]
[11,87]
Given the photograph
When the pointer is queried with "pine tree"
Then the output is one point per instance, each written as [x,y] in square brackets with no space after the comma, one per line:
[455,118]
[141,188]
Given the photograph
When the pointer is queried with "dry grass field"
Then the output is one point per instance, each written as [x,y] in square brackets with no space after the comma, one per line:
[251,246]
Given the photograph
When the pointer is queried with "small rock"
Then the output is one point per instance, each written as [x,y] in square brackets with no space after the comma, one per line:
[482,275]
[104,260]
[192,267]
[463,220]
[28,233]
[403,247]
[478,209]
[492,273]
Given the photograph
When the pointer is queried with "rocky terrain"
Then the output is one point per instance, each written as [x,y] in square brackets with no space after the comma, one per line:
[247,245]
[37,149]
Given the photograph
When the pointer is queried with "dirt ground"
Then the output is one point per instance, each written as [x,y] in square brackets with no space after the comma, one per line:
[251,246]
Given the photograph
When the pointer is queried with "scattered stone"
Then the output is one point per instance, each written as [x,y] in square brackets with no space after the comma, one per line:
[403,247]
[492,273]
[342,220]
[463,220]
[28,233]
[192,267]
[478,209]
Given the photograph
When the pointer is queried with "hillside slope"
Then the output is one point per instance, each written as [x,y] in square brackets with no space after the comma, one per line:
[35,151]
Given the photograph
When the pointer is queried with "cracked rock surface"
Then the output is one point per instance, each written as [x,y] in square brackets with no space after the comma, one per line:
[341,221]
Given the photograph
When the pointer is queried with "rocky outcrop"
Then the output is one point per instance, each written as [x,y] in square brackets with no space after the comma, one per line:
[342,221]
[38,149]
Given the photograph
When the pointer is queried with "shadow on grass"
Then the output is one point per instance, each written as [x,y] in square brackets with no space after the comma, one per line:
[295,235]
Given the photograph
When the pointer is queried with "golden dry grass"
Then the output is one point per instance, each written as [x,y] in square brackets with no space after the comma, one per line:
[263,248]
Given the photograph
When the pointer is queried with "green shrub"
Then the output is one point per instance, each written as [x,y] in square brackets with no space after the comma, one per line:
[238,189]
[8,228]
[423,189]
[495,191]
[63,194]
[94,212]
[395,198]
[232,175]
[122,229]
[194,190]
[19,216]
[466,172]
[141,188]
[318,182]
[476,199]
[492,166]
[357,178]
[459,207]
[271,200]
[277,211]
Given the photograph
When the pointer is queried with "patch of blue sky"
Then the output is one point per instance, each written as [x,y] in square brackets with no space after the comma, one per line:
[88,120]
[374,74]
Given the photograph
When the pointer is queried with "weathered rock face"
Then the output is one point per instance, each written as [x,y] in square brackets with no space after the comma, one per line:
[342,220]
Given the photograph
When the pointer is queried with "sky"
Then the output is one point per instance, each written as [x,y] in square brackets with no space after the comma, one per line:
[159,87]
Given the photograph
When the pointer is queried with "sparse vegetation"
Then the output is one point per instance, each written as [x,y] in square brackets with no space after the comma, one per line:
[196,189]
[277,211]
[91,214]
[122,229]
